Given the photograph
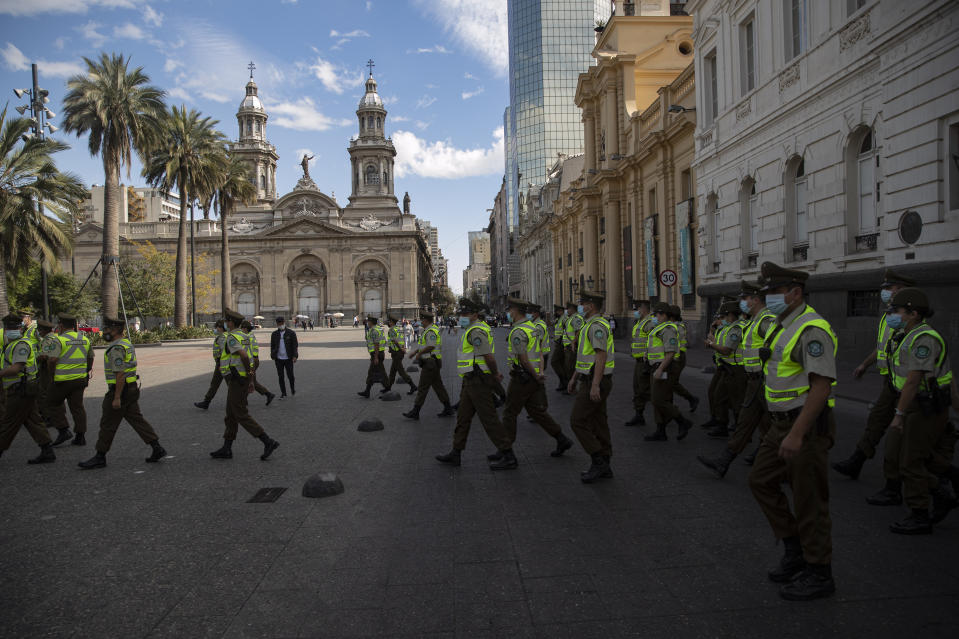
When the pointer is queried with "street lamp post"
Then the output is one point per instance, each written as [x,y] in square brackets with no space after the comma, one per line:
[39,115]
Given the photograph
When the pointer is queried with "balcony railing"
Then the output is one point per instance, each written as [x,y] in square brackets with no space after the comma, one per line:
[867,242]
[801,252]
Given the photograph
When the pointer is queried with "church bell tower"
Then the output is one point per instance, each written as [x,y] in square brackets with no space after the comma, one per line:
[371,154]
[252,145]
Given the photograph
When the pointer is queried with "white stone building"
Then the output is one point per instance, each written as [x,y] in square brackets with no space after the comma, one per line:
[828,139]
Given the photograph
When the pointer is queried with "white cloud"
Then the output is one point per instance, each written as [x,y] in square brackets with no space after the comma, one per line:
[130,31]
[438,48]
[302,116]
[466,95]
[152,16]
[335,77]
[180,94]
[35,7]
[469,76]
[16,60]
[89,31]
[390,99]
[171,65]
[425,102]
[399,118]
[440,159]
[216,97]
[369,5]
[356,33]
[479,26]
[60,42]
[422,126]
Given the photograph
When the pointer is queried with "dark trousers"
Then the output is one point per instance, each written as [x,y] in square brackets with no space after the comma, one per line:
[733,389]
[287,366]
[559,361]
[530,395]
[880,415]
[396,368]
[376,374]
[665,409]
[237,413]
[588,419]
[642,389]
[21,410]
[215,382]
[679,389]
[752,414]
[72,392]
[430,377]
[476,398]
[129,410]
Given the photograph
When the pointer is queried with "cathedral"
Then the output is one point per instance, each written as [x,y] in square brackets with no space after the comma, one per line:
[301,253]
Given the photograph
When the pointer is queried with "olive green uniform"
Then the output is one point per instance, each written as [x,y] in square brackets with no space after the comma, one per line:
[733,384]
[642,387]
[70,390]
[558,361]
[571,329]
[120,359]
[397,345]
[588,419]
[20,393]
[663,388]
[46,344]
[524,390]
[217,378]
[884,408]
[431,365]
[753,413]
[253,352]
[376,373]
[237,388]
[476,394]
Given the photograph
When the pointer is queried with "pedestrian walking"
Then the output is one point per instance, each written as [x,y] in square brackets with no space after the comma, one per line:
[559,353]
[571,330]
[218,341]
[376,345]
[122,399]
[284,351]
[18,375]
[730,382]
[408,334]
[663,352]
[72,364]
[429,356]
[676,317]
[253,350]
[356,321]
[46,341]
[397,348]
[642,386]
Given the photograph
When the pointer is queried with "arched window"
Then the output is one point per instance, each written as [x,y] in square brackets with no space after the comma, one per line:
[369,122]
[749,222]
[715,231]
[249,127]
[863,188]
[796,208]
[386,178]
[263,182]
[256,127]
[372,175]
[246,304]
[379,123]
[867,162]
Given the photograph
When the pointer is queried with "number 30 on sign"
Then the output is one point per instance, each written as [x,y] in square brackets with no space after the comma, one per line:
[667,278]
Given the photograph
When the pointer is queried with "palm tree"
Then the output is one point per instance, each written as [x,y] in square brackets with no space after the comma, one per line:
[29,179]
[235,186]
[121,113]
[186,161]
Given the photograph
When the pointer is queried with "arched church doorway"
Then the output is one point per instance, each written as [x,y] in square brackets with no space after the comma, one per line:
[308,302]
[246,305]
[372,303]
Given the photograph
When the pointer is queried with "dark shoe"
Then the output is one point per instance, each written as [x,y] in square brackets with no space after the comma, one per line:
[498,455]
[710,424]
[890,495]
[851,467]
[268,447]
[658,436]
[599,469]
[225,452]
[637,420]
[791,564]
[917,523]
[79,440]
[46,456]
[693,404]
[97,461]
[560,388]
[508,461]
[293,391]
[750,459]
[719,465]
[684,426]
[813,583]
[364,393]
[452,458]
[282,396]
[498,402]
[942,502]
[720,431]
[204,404]
[412,390]
[63,435]
[447,411]
[563,443]
[413,414]
[158,453]
[269,398]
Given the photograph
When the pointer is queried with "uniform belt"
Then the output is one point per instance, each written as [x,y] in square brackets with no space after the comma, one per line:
[754,375]
[784,416]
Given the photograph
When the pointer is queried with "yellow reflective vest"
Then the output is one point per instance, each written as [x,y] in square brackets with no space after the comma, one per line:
[532,348]
[120,354]
[586,354]
[898,373]
[72,360]
[466,361]
[787,382]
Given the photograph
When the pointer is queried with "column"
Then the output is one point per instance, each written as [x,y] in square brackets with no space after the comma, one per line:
[590,246]
[612,124]
[614,258]
[590,141]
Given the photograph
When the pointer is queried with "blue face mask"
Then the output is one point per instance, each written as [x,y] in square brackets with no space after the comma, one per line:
[636,314]
[654,321]
[894,321]
[580,310]
[464,322]
[776,303]
[11,334]
[725,322]
[744,306]
[885,295]
[529,317]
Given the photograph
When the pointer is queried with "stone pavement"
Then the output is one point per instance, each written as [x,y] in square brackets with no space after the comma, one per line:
[413,548]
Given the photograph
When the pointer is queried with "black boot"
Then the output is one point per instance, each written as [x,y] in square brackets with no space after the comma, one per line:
[718,465]
[269,445]
[712,422]
[507,461]
[79,440]
[413,389]
[46,456]
[917,523]
[414,412]
[890,495]
[693,404]
[205,404]
[269,398]
[942,502]
[791,564]
[637,420]
[364,393]
[815,582]
[97,461]
[563,443]
[750,459]
[599,469]
[158,453]
[224,452]
[658,436]
[719,431]
[684,426]
[63,435]
[452,458]
[498,455]
[851,467]
[448,411]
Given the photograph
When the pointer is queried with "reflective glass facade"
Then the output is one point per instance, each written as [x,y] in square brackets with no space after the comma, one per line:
[549,46]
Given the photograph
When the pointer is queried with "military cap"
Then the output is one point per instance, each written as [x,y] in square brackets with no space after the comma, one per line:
[427,314]
[232,315]
[571,304]
[729,307]
[26,312]
[370,318]
[246,325]
[468,306]
[47,324]
[66,317]
[535,308]
[520,305]
[113,322]
[661,307]
[749,288]
[638,303]
[910,298]
[891,278]
[595,300]
[392,318]
[11,320]
[558,307]
[775,275]
[675,310]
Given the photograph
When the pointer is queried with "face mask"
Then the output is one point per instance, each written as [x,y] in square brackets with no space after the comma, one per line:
[725,322]
[885,295]
[464,322]
[894,321]
[654,321]
[744,306]
[580,310]
[11,334]
[776,303]
[529,317]
[636,314]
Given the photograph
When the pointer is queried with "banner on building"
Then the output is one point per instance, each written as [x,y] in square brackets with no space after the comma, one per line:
[685,249]
[652,281]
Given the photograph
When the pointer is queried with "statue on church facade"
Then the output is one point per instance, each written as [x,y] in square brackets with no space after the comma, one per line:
[406,203]
[305,163]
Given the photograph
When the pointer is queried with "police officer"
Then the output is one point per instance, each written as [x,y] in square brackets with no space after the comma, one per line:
[752,413]
[800,370]
[253,351]
[559,352]
[526,384]
[429,356]
[46,341]
[29,329]
[662,351]
[72,365]
[397,345]
[571,329]
[477,367]
[640,337]
[921,375]
[731,375]
[237,369]
[676,317]
[542,333]
[883,409]
[18,373]
[376,345]
[218,341]
[122,399]
[714,335]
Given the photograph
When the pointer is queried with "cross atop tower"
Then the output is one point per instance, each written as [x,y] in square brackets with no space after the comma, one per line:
[251,66]
[370,64]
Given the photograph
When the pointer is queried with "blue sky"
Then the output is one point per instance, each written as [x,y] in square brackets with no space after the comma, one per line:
[441,67]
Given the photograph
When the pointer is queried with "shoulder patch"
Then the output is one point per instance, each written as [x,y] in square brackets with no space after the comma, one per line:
[815,348]
[23,349]
[476,340]
[922,352]
[672,341]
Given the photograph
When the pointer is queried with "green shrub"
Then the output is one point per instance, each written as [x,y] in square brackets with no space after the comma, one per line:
[185,332]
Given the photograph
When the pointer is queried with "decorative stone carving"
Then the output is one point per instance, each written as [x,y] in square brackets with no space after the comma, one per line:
[854,32]
[788,77]
[744,109]
[305,183]
[371,223]
[302,207]
[243,226]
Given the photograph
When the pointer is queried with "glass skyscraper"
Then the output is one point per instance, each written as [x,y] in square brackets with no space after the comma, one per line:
[549,46]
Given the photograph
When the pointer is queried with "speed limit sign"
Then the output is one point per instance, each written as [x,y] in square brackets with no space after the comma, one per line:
[667,278]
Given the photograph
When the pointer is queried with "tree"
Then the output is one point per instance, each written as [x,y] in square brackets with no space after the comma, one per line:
[28,179]
[121,113]
[188,159]
[234,187]
[149,276]
[63,290]
[443,299]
